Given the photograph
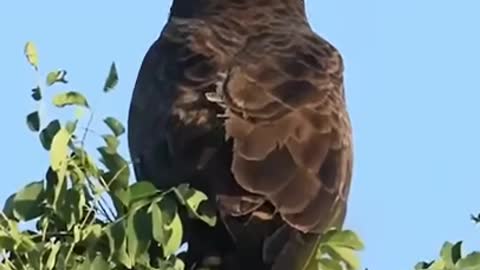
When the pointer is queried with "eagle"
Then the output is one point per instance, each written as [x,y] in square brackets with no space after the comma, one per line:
[243,101]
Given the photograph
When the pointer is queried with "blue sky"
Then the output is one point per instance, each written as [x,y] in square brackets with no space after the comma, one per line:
[413,92]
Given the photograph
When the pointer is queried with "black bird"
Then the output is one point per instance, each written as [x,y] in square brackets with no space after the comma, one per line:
[243,101]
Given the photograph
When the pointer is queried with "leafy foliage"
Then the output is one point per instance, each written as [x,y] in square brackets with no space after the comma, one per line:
[451,258]
[89,216]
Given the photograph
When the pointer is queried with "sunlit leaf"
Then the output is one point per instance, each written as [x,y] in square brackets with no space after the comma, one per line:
[33,121]
[197,203]
[59,149]
[52,256]
[345,254]
[56,76]
[112,78]
[328,264]
[70,98]
[112,143]
[157,224]
[172,226]
[30,51]
[470,262]
[346,238]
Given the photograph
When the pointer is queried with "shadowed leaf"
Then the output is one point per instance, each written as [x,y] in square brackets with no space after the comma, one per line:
[27,203]
[112,78]
[119,172]
[115,125]
[139,233]
[47,134]
[33,121]
[36,94]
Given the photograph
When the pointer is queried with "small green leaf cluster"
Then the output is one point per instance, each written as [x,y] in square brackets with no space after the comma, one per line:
[451,258]
[338,250]
[87,215]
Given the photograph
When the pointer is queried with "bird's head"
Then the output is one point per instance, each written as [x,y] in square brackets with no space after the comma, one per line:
[197,8]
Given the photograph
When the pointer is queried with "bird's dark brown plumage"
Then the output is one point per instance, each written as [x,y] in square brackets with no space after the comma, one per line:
[278,165]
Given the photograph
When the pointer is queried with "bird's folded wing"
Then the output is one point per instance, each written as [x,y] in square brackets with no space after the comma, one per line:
[291,132]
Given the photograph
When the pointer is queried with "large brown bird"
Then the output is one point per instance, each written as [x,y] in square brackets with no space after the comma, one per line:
[241,99]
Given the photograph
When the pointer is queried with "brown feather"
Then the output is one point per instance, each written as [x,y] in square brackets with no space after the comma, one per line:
[280,164]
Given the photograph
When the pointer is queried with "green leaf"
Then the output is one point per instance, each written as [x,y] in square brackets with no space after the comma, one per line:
[119,172]
[470,262]
[139,233]
[33,121]
[36,93]
[174,241]
[329,264]
[116,234]
[157,224]
[52,256]
[450,253]
[423,265]
[30,52]
[59,149]
[178,264]
[100,263]
[56,189]
[457,252]
[143,189]
[79,112]
[47,134]
[70,98]
[115,125]
[6,241]
[91,233]
[112,143]
[112,78]
[9,206]
[172,226]
[56,76]
[71,126]
[438,265]
[27,203]
[73,207]
[197,204]
[345,254]
[346,238]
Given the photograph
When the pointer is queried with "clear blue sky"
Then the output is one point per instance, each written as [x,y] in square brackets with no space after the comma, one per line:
[412,78]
